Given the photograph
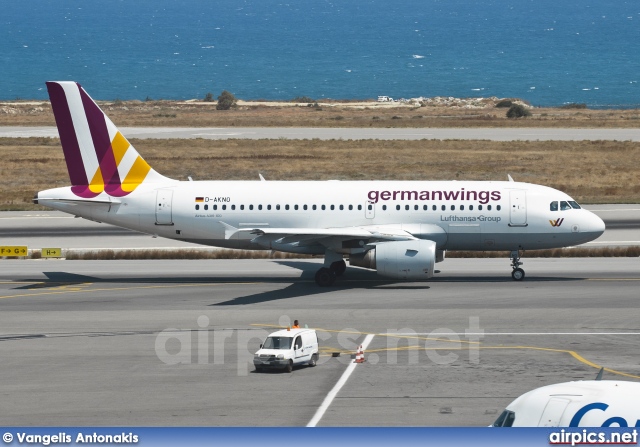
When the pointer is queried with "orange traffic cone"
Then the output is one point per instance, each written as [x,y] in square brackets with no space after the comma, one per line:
[360,355]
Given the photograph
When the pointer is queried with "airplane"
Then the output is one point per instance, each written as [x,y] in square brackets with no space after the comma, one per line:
[398,228]
[588,403]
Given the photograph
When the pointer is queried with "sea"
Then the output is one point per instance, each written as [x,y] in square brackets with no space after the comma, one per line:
[547,52]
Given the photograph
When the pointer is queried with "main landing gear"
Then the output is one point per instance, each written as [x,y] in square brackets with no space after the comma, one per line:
[326,276]
[517,273]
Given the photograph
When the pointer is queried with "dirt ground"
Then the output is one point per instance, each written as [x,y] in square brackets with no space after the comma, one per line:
[439,112]
[589,171]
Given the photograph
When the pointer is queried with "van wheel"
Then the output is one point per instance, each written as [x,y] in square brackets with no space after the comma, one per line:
[313,360]
[289,366]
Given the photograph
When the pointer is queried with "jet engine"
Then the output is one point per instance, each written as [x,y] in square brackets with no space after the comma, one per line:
[399,259]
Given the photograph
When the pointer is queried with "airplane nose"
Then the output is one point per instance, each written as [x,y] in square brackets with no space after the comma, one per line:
[595,225]
[599,225]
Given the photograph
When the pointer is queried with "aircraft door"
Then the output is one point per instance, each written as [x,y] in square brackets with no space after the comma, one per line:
[370,210]
[518,208]
[163,207]
[553,412]
[298,349]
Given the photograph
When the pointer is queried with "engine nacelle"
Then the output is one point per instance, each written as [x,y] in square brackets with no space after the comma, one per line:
[399,259]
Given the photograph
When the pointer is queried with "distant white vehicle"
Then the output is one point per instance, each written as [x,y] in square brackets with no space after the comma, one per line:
[385,99]
[287,348]
[588,403]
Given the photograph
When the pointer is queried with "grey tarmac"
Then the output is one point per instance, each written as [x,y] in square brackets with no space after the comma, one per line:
[92,342]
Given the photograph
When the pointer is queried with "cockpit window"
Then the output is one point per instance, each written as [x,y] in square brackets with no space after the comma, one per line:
[574,205]
[506,419]
[564,206]
[553,206]
[277,343]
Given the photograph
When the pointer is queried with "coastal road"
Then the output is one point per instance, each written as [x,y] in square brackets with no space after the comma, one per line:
[37,229]
[223,133]
[161,343]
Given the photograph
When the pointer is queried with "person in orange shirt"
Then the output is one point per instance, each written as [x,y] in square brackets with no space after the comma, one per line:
[295,325]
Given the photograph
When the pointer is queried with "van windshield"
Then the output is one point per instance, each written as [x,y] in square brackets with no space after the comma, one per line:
[277,343]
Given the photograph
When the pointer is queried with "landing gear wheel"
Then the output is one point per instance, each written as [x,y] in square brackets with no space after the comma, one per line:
[339,267]
[517,274]
[258,368]
[289,366]
[325,277]
[313,360]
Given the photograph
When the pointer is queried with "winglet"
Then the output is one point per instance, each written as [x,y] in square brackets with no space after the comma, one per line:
[599,376]
[229,231]
[261,177]
[510,178]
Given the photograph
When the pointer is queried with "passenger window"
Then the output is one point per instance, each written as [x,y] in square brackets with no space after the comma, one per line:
[406,207]
[426,207]
[251,207]
[269,207]
[453,207]
[489,207]
[333,207]
[384,207]
[416,207]
[574,205]
[461,207]
[444,207]
[206,207]
[304,207]
[397,207]
[315,207]
[435,208]
[479,207]
[370,207]
[224,207]
[197,207]
[359,207]
[341,207]
[215,207]
[295,207]
[242,207]
[260,207]
[498,207]
[350,207]
[564,206]
[323,207]
[286,207]
[553,206]
[278,207]
[470,207]
[233,207]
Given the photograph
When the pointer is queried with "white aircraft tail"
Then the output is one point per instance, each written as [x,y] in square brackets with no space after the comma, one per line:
[99,158]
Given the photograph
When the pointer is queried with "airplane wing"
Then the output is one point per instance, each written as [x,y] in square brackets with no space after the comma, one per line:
[329,237]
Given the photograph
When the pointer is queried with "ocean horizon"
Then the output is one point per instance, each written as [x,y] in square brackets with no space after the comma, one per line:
[546,52]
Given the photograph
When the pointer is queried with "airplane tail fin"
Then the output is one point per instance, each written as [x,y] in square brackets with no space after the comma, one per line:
[99,158]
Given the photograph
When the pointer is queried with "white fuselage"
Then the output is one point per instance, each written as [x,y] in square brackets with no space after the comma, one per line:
[589,403]
[457,215]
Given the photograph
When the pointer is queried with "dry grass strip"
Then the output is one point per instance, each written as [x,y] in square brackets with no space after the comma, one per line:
[589,171]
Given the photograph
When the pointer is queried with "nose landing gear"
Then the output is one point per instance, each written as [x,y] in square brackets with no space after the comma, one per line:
[517,273]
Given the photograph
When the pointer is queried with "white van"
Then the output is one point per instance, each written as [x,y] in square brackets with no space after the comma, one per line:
[286,349]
